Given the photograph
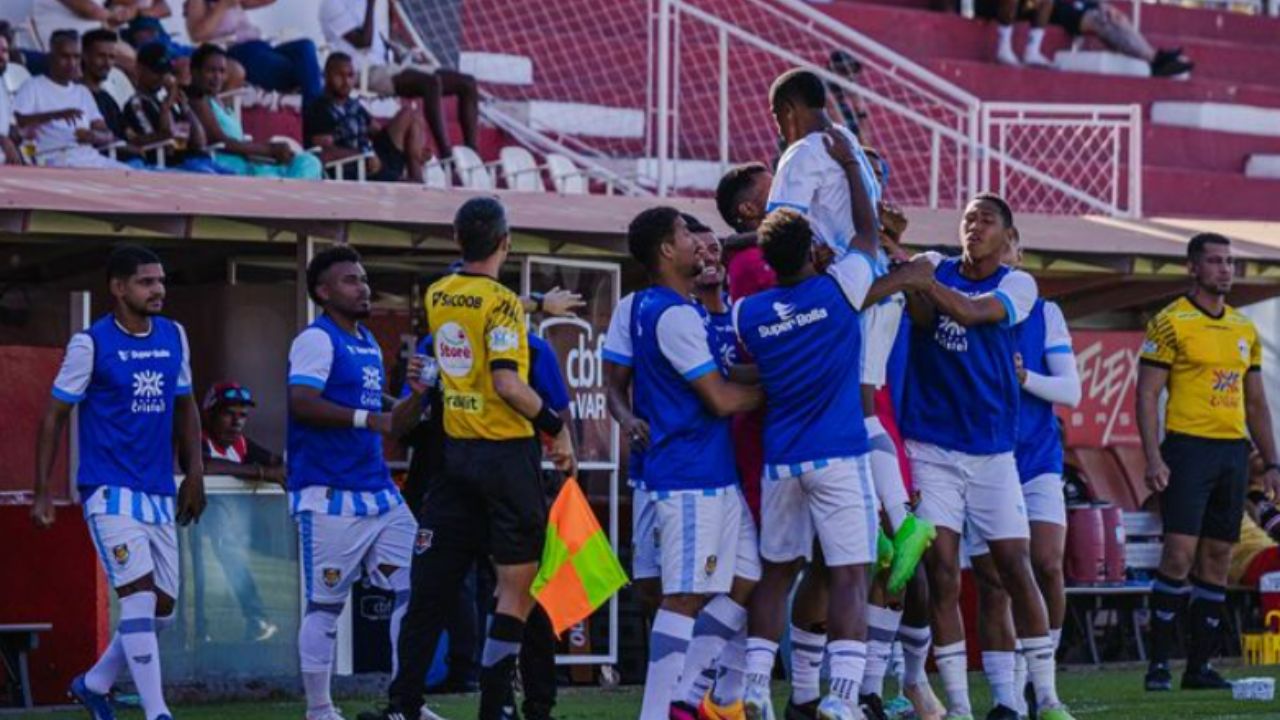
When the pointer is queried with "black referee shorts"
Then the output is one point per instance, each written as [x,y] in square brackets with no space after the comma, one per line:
[489,498]
[1207,483]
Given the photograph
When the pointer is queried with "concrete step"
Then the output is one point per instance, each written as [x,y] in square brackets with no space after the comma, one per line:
[1221,117]
[1100,62]
[1196,193]
[499,68]
[583,119]
[1195,149]
[1263,166]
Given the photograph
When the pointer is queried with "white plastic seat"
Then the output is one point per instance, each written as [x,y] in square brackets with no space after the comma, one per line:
[471,169]
[565,176]
[435,176]
[520,170]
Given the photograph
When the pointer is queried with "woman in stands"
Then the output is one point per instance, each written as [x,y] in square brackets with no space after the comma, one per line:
[222,125]
[290,66]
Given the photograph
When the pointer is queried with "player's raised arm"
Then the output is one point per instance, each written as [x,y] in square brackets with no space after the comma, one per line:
[866,235]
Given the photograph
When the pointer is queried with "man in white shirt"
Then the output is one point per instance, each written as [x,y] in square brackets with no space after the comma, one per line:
[350,26]
[8,150]
[62,113]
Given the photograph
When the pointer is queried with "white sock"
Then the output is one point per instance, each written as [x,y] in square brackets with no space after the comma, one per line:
[731,676]
[400,584]
[882,628]
[1055,634]
[1041,668]
[668,642]
[806,664]
[953,667]
[848,661]
[717,624]
[886,473]
[317,635]
[998,667]
[915,653]
[103,674]
[761,654]
[1004,35]
[137,632]
[1034,38]
[1020,679]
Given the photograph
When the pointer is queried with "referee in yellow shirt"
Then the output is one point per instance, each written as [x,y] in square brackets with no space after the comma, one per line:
[1208,356]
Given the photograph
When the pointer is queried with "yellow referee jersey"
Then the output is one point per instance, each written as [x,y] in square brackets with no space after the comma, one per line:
[1207,358]
[477,325]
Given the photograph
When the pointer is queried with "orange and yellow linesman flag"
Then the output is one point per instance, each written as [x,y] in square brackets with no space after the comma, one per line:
[579,571]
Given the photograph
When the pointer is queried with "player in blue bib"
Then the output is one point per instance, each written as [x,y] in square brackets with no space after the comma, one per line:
[689,471]
[960,420]
[130,375]
[1046,368]
[351,519]
[806,337]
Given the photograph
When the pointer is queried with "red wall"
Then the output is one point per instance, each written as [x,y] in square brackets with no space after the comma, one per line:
[26,375]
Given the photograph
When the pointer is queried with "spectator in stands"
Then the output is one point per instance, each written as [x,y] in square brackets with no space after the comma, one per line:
[340,125]
[349,26]
[848,107]
[221,125]
[1256,553]
[1112,27]
[227,451]
[286,67]
[160,111]
[1008,12]
[80,16]
[8,148]
[60,113]
[98,57]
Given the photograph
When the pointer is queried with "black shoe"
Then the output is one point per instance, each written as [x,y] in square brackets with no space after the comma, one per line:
[872,707]
[390,712]
[1205,678]
[1158,678]
[1169,63]
[1000,712]
[804,711]
[1029,697]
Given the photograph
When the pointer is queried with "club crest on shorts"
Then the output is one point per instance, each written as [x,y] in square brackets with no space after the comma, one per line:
[330,576]
[423,541]
[710,568]
[120,553]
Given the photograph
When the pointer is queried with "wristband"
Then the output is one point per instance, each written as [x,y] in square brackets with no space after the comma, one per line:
[1271,466]
[548,422]
[360,419]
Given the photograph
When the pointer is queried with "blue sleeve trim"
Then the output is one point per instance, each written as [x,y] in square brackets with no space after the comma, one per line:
[701,370]
[804,209]
[67,397]
[1058,350]
[1010,313]
[617,358]
[182,390]
[306,381]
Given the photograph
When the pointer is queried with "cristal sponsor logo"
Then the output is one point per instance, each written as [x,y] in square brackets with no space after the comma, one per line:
[148,392]
[1149,347]
[790,320]
[951,335]
[457,300]
[127,355]
[502,339]
[453,349]
[371,379]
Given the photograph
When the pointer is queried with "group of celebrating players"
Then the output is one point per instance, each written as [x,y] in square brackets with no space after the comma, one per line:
[765,440]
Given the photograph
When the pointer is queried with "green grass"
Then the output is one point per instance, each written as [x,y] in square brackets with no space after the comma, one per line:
[1110,694]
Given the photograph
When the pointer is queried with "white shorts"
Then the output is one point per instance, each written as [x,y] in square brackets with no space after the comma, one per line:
[958,489]
[747,563]
[131,549]
[335,548]
[698,536]
[1045,503]
[880,324]
[646,563]
[835,501]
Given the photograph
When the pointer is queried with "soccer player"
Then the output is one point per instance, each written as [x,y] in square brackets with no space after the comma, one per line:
[1046,367]
[806,337]
[352,521]
[689,464]
[1209,358]
[130,374]
[960,421]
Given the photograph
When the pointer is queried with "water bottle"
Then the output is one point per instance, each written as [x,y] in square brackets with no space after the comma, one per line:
[430,371]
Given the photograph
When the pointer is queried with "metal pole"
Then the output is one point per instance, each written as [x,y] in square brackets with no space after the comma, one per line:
[1115,170]
[677,46]
[1135,161]
[977,150]
[935,150]
[724,100]
[664,93]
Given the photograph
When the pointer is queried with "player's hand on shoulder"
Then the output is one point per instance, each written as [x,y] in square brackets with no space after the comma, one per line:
[823,256]
[42,511]
[838,147]
[559,302]
[892,220]
[918,272]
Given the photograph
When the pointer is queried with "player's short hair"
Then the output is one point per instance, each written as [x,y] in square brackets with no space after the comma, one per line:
[1195,246]
[694,224]
[730,190]
[124,261]
[96,36]
[786,240]
[648,230]
[324,260]
[479,226]
[335,58]
[800,87]
[1006,212]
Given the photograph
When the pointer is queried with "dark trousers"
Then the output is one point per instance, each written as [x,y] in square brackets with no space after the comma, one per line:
[294,65]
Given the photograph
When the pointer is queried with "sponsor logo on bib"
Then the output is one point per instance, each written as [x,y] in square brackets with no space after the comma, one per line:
[453,350]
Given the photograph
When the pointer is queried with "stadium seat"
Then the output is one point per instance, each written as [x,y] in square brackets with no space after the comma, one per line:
[435,176]
[1134,465]
[471,169]
[520,170]
[15,76]
[565,176]
[1104,476]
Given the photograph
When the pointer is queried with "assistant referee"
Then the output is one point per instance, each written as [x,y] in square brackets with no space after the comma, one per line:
[1208,356]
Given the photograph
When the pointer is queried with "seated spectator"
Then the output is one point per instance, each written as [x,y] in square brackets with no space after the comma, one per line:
[160,111]
[218,119]
[98,57]
[1008,12]
[80,16]
[849,107]
[286,67]
[144,30]
[60,113]
[338,123]
[1103,21]
[1256,553]
[8,148]
[349,26]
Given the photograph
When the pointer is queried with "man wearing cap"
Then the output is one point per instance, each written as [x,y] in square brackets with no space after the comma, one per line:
[160,111]
[227,451]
